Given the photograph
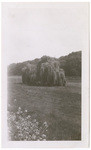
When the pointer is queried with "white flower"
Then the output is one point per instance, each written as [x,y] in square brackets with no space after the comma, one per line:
[19,108]
[37,132]
[43,136]
[37,123]
[33,137]
[28,116]
[45,123]
[18,127]
[25,110]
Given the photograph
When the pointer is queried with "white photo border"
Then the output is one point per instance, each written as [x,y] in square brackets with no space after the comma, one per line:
[84,143]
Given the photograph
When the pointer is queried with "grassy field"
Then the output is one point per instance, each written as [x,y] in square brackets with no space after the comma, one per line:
[59,106]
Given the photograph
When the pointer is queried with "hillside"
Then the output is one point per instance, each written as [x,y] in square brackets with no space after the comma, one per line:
[70,63]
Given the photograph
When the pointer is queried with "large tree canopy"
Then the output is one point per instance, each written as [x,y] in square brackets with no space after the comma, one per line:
[46,72]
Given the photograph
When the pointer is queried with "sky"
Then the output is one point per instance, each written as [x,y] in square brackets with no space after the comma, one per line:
[31,30]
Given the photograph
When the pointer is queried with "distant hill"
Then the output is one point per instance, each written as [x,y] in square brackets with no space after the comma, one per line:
[70,63]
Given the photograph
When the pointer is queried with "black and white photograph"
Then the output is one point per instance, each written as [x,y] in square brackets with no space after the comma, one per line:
[45,73]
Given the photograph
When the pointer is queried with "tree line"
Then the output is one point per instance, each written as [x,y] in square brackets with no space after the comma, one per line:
[71,64]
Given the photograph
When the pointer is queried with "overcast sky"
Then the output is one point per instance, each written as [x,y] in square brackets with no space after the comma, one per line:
[32,30]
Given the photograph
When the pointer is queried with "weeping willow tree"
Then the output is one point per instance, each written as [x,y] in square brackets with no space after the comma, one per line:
[46,73]
[29,74]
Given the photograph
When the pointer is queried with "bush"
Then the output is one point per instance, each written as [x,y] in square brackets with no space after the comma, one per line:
[21,127]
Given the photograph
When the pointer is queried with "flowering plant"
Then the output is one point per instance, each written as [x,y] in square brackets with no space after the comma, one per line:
[22,127]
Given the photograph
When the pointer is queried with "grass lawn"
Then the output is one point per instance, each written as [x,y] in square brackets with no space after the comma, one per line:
[59,106]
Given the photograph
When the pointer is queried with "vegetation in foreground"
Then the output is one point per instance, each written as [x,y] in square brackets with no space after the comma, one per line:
[21,127]
[59,107]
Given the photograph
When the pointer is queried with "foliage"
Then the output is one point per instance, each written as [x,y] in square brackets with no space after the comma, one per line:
[70,63]
[47,73]
[22,127]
